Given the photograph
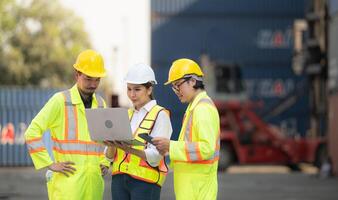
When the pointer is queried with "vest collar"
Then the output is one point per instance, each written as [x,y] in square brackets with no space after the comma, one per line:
[198,97]
[76,98]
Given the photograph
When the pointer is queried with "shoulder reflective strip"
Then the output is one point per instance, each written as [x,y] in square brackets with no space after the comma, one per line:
[154,114]
[78,148]
[66,116]
[147,124]
[33,145]
[71,113]
[149,120]
[137,129]
[99,100]
[188,129]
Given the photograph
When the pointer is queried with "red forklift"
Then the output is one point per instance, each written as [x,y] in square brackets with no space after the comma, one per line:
[247,139]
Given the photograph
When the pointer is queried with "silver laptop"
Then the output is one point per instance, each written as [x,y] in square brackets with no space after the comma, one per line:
[110,124]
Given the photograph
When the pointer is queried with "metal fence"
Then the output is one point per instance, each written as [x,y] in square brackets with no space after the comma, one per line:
[18,106]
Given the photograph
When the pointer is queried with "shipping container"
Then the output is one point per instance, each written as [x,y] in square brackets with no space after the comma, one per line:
[255,36]
[18,106]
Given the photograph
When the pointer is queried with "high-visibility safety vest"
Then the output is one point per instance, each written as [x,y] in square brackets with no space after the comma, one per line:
[133,165]
[64,116]
[194,157]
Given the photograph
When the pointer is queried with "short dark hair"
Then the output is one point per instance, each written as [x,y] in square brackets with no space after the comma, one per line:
[199,85]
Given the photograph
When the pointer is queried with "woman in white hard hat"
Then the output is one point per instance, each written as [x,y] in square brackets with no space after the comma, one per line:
[139,171]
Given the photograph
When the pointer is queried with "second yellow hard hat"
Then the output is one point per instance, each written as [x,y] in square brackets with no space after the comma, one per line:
[181,68]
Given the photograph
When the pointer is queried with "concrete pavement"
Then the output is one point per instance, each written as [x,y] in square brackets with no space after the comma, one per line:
[247,182]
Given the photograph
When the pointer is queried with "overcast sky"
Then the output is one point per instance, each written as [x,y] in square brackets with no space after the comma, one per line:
[119,29]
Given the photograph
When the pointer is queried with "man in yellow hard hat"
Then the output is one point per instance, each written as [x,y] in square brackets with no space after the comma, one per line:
[79,163]
[194,157]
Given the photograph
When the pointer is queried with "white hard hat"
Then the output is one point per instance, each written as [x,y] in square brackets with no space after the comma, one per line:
[140,74]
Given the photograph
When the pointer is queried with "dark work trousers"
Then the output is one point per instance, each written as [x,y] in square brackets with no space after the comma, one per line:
[124,187]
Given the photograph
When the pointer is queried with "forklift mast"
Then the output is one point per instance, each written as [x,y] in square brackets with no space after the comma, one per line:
[311,58]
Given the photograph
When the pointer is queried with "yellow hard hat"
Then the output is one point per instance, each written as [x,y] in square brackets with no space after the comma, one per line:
[90,63]
[181,68]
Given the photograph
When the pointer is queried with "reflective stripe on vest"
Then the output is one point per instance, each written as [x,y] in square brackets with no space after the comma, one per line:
[71,126]
[35,145]
[134,165]
[192,148]
[71,144]
[77,147]
[99,100]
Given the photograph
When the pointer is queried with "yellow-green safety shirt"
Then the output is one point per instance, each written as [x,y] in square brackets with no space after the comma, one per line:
[64,116]
[194,157]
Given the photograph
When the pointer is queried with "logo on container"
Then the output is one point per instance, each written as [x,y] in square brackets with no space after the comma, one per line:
[269,88]
[8,135]
[274,39]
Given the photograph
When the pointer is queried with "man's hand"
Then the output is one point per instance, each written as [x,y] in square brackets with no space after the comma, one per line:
[104,170]
[63,167]
[162,145]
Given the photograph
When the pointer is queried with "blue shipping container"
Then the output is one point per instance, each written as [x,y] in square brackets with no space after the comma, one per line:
[18,106]
[255,35]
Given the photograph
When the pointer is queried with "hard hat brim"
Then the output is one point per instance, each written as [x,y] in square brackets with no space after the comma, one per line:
[140,82]
[168,82]
[94,75]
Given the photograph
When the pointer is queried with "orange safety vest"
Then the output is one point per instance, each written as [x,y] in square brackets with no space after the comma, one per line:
[133,165]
